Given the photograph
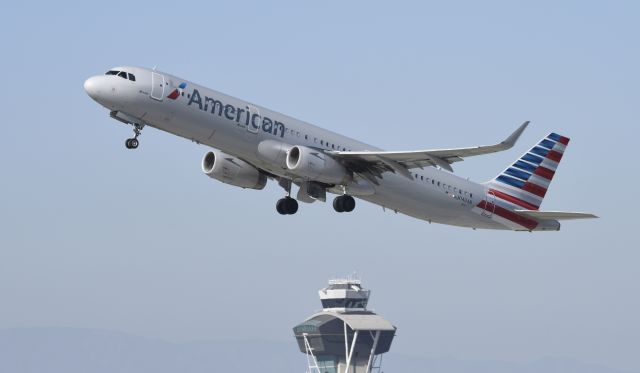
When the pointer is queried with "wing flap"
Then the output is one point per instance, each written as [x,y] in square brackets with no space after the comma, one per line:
[555,215]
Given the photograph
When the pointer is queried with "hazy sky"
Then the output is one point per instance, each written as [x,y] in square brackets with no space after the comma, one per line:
[93,235]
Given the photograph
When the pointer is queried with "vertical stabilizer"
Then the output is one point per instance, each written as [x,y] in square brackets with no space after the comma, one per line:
[525,183]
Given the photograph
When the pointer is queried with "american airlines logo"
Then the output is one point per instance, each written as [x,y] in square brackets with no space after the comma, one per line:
[176,92]
[243,116]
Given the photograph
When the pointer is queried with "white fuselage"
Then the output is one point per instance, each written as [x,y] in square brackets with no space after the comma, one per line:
[237,127]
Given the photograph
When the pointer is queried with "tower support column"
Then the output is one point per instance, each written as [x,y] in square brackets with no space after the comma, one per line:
[373,350]
[353,347]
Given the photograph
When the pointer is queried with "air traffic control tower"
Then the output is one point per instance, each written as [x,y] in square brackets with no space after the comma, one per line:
[344,337]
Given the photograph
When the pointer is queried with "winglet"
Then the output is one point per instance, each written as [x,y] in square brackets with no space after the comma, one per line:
[510,141]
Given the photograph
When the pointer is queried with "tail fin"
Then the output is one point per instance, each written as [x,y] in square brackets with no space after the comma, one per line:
[525,183]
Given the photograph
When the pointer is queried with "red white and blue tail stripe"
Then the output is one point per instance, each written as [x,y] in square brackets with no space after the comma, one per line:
[525,183]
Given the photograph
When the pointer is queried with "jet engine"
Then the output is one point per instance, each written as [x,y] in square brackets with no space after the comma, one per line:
[232,170]
[316,165]
[274,152]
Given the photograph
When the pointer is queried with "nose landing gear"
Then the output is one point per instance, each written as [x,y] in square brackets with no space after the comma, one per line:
[133,142]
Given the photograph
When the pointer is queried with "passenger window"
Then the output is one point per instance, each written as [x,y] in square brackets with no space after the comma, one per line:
[306,137]
[321,142]
[132,77]
[421,177]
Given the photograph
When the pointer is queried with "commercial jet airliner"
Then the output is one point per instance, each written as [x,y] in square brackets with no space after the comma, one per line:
[251,144]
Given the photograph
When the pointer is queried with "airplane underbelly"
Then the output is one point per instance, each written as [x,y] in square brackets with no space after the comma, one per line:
[416,200]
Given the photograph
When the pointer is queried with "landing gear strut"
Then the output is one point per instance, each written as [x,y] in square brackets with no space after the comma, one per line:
[287,206]
[133,142]
[344,203]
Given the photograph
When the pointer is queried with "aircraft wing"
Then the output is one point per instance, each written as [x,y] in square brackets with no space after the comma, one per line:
[555,215]
[373,163]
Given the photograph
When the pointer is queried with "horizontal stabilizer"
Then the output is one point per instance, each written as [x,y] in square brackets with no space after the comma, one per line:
[555,215]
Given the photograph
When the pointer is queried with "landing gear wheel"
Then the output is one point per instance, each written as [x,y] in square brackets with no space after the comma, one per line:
[338,205]
[287,206]
[292,205]
[344,204]
[132,143]
[349,203]
[280,207]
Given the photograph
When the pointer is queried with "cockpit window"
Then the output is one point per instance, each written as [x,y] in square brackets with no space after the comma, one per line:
[122,74]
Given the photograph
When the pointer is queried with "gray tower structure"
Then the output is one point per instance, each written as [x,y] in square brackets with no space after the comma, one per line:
[344,337]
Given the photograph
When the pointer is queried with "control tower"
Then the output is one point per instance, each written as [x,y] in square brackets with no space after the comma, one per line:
[344,337]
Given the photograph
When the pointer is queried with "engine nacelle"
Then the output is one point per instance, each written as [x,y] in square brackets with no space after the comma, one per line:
[274,152]
[232,170]
[316,165]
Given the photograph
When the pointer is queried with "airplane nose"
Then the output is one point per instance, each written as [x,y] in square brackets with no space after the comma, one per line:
[92,88]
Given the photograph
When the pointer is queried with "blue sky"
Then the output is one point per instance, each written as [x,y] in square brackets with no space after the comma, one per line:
[97,236]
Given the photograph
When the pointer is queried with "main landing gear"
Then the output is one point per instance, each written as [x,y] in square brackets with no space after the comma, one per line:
[287,206]
[133,142]
[344,203]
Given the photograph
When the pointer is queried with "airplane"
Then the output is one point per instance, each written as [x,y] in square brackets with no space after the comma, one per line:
[251,144]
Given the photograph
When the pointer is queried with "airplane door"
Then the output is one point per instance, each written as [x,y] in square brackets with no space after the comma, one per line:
[157,86]
[489,204]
